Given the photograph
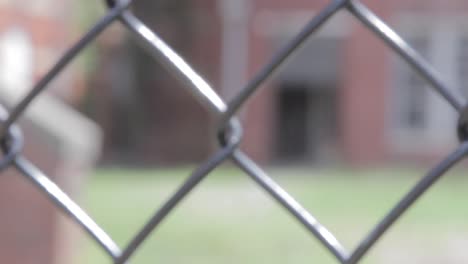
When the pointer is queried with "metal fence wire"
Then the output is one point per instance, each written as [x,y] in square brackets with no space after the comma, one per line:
[229,129]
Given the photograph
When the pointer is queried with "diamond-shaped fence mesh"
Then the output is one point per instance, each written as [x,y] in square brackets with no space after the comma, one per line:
[230,130]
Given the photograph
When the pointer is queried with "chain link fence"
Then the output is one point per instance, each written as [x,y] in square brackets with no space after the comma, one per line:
[229,129]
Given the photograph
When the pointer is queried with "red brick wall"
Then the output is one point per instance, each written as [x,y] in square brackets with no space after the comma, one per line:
[363,100]
[364,89]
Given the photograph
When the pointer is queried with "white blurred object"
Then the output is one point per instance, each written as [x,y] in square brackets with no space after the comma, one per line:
[16,61]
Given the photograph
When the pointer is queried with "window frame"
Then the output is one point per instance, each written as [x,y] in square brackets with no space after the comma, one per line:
[444,33]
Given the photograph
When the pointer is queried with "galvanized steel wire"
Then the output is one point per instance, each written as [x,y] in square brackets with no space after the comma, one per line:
[229,128]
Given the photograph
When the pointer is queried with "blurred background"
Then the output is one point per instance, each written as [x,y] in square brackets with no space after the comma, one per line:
[345,126]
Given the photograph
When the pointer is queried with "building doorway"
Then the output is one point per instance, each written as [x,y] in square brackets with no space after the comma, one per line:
[306,123]
[306,99]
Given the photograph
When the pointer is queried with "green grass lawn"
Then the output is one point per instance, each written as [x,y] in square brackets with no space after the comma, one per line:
[227,219]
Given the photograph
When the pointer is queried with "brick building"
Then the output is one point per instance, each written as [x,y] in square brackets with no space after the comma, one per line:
[345,96]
